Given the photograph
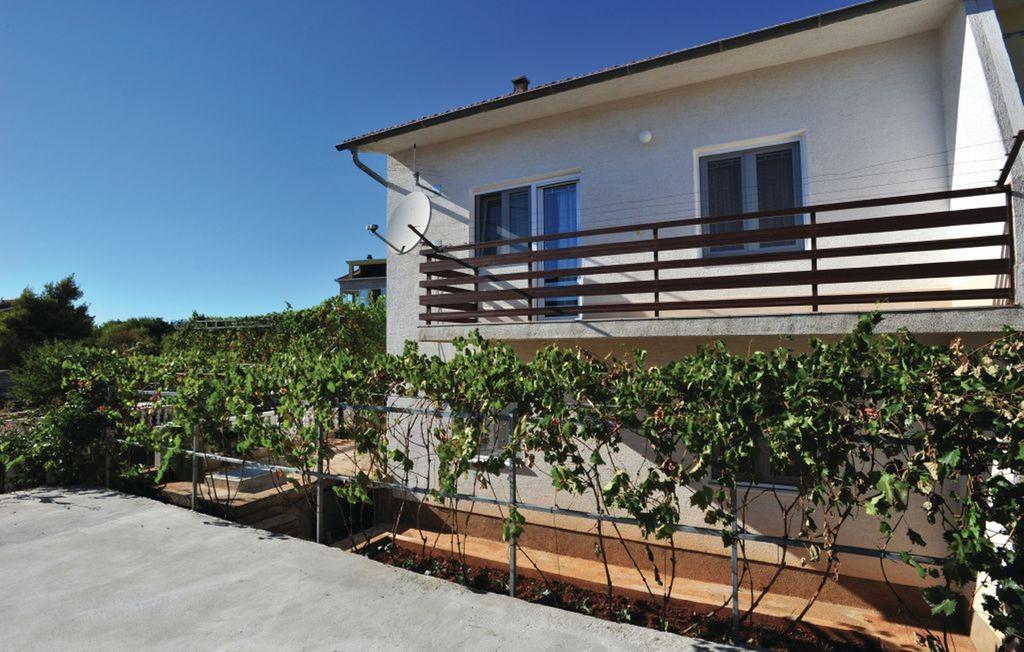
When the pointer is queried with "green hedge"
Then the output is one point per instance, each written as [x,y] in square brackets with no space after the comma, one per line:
[872,424]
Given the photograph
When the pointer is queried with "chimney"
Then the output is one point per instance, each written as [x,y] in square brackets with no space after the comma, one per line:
[520,84]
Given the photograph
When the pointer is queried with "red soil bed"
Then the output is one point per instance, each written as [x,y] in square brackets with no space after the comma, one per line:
[708,624]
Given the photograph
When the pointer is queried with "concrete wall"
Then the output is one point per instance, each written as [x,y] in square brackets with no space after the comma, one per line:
[762,513]
[987,75]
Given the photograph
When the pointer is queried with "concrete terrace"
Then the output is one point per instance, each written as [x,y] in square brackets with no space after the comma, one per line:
[89,568]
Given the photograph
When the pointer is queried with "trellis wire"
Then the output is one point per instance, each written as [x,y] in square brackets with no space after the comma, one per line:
[737,530]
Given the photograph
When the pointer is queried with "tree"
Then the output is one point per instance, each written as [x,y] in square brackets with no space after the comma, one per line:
[138,334]
[35,318]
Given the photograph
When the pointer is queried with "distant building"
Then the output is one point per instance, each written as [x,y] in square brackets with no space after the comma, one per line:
[366,280]
[6,304]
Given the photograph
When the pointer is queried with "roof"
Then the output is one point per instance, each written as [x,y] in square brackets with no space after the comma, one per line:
[675,57]
[367,261]
[367,270]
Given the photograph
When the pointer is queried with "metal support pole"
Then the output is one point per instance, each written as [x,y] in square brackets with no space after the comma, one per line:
[109,443]
[814,262]
[1011,158]
[319,486]
[735,570]
[1011,254]
[512,504]
[195,468]
[657,275]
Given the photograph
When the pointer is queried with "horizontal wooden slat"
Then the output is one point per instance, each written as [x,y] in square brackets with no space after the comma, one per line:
[460,306]
[452,274]
[848,227]
[773,279]
[741,259]
[718,304]
[801,210]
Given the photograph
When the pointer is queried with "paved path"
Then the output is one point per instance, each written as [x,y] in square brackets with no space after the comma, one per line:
[92,568]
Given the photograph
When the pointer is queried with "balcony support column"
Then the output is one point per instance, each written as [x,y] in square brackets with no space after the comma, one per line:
[657,276]
[814,261]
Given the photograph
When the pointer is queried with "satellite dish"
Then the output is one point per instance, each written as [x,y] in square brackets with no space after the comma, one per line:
[413,211]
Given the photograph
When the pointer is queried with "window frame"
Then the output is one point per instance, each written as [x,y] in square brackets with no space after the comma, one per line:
[538,225]
[536,186]
[763,475]
[748,170]
[505,224]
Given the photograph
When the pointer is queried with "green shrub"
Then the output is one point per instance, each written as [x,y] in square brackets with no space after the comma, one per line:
[39,379]
[63,445]
[136,335]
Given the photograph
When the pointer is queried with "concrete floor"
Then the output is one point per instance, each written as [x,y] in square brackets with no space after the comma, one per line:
[90,568]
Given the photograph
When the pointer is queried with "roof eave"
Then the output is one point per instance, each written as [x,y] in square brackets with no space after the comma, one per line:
[679,56]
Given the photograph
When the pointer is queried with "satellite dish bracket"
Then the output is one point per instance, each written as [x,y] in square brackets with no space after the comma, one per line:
[372,228]
[424,239]
[412,213]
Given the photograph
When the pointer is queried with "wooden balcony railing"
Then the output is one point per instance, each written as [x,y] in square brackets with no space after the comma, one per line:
[837,244]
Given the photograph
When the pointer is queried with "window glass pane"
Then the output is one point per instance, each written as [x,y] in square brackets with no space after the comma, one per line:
[776,189]
[519,222]
[488,221]
[788,474]
[560,217]
[724,197]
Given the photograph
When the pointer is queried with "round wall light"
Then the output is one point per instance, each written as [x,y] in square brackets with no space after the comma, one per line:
[645,137]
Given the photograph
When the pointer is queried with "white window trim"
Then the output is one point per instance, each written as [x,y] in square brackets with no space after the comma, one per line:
[536,184]
[538,229]
[798,136]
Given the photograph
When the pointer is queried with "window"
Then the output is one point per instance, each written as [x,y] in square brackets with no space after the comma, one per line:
[501,216]
[763,472]
[762,179]
[548,207]
[560,215]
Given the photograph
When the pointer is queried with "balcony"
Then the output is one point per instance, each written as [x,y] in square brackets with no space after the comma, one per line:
[938,250]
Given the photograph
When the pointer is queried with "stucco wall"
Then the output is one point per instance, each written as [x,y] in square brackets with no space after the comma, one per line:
[763,513]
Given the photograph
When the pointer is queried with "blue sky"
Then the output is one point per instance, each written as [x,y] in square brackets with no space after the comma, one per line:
[178,156]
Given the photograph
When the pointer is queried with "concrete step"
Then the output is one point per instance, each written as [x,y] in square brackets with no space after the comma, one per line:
[280,524]
[590,574]
[365,538]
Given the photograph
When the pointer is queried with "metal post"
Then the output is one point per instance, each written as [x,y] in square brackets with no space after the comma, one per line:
[107,461]
[195,468]
[814,262]
[109,443]
[319,486]
[1011,255]
[735,570]
[657,275]
[512,504]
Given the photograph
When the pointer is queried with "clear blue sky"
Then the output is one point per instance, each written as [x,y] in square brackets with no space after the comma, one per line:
[178,156]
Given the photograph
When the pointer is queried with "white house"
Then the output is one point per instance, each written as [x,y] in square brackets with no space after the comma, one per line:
[871,140]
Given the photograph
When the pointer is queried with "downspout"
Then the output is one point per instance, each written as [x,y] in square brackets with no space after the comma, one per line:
[381,180]
[365,168]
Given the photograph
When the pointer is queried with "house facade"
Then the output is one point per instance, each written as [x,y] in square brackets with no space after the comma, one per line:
[775,184]
[365,281]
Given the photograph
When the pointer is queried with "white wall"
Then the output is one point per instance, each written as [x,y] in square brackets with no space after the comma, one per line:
[852,112]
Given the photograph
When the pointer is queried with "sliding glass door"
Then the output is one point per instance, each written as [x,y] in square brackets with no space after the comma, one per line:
[559,213]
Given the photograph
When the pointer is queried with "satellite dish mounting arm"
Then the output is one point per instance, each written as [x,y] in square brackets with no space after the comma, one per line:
[424,239]
[372,228]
